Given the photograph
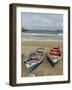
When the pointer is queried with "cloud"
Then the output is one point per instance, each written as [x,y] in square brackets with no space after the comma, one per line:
[39,21]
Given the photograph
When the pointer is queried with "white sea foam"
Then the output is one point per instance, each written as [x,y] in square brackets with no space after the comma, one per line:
[39,40]
[30,34]
[41,37]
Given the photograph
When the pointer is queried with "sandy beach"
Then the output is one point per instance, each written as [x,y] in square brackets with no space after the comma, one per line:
[45,68]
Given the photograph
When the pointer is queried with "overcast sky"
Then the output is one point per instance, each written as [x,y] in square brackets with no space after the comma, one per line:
[41,21]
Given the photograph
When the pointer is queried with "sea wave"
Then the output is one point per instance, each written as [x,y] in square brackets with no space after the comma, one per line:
[36,34]
[40,40]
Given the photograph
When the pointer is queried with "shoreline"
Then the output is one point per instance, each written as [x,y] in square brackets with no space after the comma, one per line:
[38,39]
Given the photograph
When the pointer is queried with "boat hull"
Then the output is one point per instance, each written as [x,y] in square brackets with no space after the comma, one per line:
[53,62]
[31,67]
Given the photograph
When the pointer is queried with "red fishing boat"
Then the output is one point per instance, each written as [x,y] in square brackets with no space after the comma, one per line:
[54,55]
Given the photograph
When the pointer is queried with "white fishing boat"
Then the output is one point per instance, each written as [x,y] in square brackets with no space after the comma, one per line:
[30,65]
[33,61]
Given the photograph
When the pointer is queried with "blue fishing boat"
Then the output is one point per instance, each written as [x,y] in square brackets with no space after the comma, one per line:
[33,61]
[30,65]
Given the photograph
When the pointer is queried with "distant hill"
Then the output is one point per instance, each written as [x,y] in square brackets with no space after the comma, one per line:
[43,31]
[23,30]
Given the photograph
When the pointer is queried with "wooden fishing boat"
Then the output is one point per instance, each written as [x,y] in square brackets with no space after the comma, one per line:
[54,55]
[33,61]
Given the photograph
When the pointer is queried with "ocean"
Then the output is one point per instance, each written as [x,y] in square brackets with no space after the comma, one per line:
[42,35]
[43,31]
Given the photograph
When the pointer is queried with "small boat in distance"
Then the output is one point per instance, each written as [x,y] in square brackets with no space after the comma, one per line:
[54,55]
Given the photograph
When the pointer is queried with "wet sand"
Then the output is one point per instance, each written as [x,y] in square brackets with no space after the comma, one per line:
[45,68]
